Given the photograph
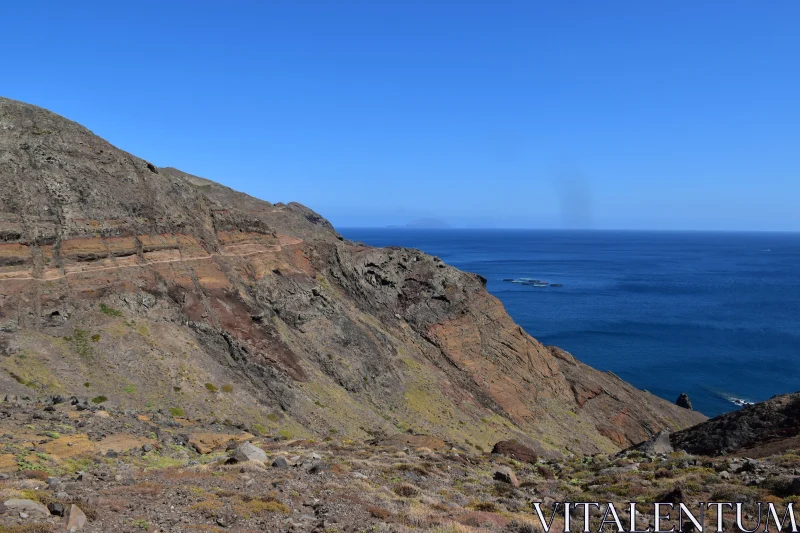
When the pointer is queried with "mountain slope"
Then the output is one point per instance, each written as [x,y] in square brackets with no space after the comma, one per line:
[164,291]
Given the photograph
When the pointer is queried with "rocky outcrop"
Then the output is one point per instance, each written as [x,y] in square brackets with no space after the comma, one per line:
[150,288]
[684,401]
[515,450]
[756,430]
[655,445]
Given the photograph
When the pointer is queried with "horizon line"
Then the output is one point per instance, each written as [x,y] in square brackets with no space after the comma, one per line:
[517,228]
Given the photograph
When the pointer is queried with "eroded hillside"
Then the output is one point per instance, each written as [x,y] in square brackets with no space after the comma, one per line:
[148,288]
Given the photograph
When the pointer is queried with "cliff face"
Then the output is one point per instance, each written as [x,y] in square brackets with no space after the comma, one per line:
[161,290]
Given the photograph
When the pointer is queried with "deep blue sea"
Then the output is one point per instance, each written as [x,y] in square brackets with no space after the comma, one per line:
[715,315]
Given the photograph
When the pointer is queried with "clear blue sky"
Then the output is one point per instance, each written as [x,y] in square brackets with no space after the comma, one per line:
[667,115]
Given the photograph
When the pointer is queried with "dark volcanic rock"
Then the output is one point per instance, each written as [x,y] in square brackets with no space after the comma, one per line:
[56,509]
[764,428]
[684,401]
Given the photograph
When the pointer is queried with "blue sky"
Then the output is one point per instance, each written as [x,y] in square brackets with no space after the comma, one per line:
[641,115]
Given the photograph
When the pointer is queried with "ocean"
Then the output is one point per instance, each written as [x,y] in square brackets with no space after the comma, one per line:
[712,314]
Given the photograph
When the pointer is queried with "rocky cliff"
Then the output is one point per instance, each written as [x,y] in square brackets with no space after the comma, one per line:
[145,287]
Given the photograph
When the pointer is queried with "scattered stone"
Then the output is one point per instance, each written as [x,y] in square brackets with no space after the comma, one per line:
[403,440]
[316,467]
[29,507]
[724,475]
[621,469]
[684,401]
[3,509]
[506,475]
[280,462]
[749,465]
[249,452]
[147,448]
[515,450]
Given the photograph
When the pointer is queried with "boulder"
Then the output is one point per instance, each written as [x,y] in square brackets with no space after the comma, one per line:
[515,450]
[29,507]
[75,519]
[506,475]
[249,452]
[684,401]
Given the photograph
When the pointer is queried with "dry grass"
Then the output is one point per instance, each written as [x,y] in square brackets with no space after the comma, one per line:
[379,512]
[209,508]
[486,507]
[452,527]
[406,490]
[259,507]
[41,475]
[28,528]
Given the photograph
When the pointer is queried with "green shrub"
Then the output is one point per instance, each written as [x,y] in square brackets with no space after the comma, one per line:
[227,388]
[81,337]
[99,399]
[177,411]
[211,388]
[110,311]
